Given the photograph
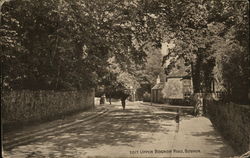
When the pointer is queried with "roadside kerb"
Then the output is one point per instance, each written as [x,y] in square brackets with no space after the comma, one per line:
[48,125]
[46,132]
[171,107]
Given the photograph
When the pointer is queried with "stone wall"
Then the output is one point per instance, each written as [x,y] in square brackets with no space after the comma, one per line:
[19,107]
[233,121]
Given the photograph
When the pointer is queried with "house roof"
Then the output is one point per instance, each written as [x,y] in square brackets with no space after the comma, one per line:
[178,74]
[179,71]
[159,86]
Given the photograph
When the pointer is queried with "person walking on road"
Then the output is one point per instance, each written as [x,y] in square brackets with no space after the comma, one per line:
[110,99]
[123,100]
[177,117]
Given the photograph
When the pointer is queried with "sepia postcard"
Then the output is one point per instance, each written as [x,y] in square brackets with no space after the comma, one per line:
[125,78]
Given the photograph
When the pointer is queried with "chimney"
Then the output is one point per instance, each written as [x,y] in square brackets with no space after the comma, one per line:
[158,80]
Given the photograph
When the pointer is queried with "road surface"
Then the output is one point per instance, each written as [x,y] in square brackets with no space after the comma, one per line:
[140,130]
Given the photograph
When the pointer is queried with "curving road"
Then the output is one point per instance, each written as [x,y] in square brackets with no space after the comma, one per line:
[139,131]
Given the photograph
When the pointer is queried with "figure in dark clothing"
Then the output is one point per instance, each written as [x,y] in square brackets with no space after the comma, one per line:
[123,100]
[123,103]
[177,117]
[102,99]
[110,100]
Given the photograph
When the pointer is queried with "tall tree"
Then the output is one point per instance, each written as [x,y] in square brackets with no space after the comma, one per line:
[200,30]
[67,44]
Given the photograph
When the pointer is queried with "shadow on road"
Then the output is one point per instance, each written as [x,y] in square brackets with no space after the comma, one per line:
[131,127]
[118,128]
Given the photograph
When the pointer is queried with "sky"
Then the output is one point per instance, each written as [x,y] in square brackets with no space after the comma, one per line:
[166,46]
[165,50]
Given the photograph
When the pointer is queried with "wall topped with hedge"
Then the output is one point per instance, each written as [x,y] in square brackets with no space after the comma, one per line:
[233,121]
[26,106]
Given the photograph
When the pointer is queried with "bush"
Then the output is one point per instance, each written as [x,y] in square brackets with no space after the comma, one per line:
[146,97]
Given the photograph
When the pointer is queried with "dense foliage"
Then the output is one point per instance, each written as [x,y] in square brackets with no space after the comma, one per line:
[212,36]
[63,44]
[78,44]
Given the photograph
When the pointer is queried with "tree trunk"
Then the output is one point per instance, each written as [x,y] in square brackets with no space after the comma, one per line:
[199,104]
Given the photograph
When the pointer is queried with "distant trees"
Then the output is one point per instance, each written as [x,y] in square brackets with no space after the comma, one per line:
[118,82]
[150,70]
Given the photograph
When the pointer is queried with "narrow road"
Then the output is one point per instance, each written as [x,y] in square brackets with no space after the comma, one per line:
[139,131]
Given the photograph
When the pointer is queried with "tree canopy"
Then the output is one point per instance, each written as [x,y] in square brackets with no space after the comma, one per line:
[63,44]
[78,44]
[212,37]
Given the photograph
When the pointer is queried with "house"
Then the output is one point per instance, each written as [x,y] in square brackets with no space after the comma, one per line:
[176,87]
[157,94]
